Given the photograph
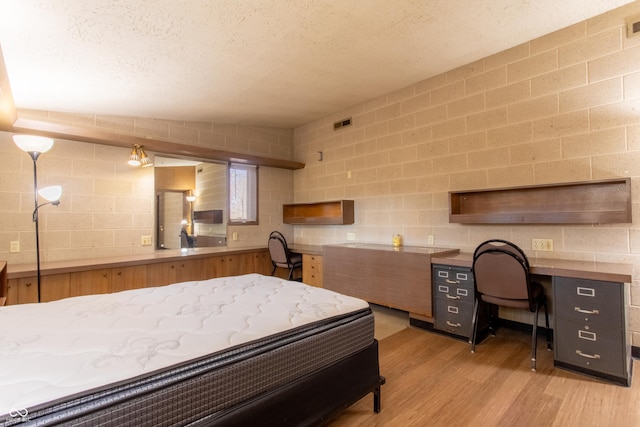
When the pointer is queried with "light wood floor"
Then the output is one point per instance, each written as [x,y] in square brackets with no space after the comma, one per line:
[434,380]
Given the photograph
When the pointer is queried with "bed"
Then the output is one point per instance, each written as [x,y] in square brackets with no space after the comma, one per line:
[243,350]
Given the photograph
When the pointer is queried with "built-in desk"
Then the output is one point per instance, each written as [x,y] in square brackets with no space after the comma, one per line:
[397,277]
[312,263]
[102,275]
[590,309]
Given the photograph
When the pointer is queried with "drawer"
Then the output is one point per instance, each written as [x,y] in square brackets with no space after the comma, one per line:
[589,300]
[590,346]
[453,316]
[453,292]
[453,276]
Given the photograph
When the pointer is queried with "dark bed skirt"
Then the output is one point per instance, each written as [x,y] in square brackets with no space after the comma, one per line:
[315,400]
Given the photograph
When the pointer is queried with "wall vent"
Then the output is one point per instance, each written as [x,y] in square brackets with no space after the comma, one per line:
[633,26]
[342,123]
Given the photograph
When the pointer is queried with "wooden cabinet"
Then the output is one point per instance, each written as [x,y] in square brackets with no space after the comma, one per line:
[328,213]
[22,290]
[127,278]
[593,202]
[590,328]
[312,270]
[90,282]
[394,277]
[453,291]
[55,287]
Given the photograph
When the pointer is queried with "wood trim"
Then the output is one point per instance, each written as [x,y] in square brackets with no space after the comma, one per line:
[8,113]
[80,134]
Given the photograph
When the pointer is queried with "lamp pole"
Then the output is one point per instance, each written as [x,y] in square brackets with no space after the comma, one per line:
[34,146]
[34,155]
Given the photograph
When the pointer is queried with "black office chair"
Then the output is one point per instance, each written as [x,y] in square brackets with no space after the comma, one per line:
[502,278]
[280,255]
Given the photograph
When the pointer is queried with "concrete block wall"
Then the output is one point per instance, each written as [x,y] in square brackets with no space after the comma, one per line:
[561,108]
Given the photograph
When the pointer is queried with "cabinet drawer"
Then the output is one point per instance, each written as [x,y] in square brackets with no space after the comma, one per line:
[590,346]
[453,292]
[453,276]
[589,300]
[453,316]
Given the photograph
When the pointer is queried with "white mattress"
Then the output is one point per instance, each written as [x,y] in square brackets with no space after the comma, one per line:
[56,349]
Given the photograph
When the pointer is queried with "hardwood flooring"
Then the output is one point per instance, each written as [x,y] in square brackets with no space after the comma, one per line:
[434,380]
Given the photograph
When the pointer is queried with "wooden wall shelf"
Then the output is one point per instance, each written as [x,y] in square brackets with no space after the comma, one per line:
[592,202]
[208,217]
[327,213]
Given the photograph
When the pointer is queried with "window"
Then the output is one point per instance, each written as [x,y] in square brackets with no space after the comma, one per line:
[243,194]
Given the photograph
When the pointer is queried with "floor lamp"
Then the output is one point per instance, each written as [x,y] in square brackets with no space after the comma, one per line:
[34,146]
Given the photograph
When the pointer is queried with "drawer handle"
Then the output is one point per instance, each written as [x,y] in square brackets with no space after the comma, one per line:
[586,335]
[579,310]
[453,325]
[452,282]
[588,356]
[452,296]
[586,292]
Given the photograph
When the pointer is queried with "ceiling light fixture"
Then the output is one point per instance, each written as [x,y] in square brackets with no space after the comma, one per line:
[145,160]
[134,157]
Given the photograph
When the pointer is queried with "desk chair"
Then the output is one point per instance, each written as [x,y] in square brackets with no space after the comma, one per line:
[501,274]
[280,255]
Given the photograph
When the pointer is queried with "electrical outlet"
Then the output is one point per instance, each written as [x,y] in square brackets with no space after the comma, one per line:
[351,236]
[234,236]
[431,239]
[542,245]
[14,246]
[145,240]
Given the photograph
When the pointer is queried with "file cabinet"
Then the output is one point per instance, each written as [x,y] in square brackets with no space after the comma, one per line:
[453,291]
[590,328]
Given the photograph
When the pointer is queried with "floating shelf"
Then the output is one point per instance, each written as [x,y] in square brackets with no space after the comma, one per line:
[208,217]
[592,202]
[337,212]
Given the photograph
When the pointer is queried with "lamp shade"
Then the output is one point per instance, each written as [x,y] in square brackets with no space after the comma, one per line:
[145,161]
[51,194]
[134,157]
[191,198]
[32,143]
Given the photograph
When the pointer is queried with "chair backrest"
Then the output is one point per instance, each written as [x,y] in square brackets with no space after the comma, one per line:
[501,270]
[278,249]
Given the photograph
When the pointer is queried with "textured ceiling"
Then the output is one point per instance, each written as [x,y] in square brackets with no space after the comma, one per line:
[266,62]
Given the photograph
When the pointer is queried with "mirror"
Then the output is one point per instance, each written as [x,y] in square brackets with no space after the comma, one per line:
[181,223]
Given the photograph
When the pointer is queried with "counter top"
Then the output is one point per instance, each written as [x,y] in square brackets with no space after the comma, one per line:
[431,250]
[167,255]
[610,272]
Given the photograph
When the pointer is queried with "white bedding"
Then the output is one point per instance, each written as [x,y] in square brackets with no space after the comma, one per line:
[63,347]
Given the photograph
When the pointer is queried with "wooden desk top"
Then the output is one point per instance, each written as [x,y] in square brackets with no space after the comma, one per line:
[609,272]
[27,270]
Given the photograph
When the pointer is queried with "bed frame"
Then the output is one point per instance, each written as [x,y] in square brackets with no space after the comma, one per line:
[251,386]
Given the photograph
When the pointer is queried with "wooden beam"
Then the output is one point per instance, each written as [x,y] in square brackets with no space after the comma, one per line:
[77,133]
[8,113]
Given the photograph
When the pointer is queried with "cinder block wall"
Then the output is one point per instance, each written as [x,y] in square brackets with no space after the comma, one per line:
[561,108]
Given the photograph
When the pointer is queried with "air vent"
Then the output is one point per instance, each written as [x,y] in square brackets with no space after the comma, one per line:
[633,26]
[342,123]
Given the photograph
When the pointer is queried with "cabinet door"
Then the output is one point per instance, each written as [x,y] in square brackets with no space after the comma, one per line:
[126,278]
[90,282]
[161,274]
[190,269]
[262,263]
[23,290]
[54,287]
